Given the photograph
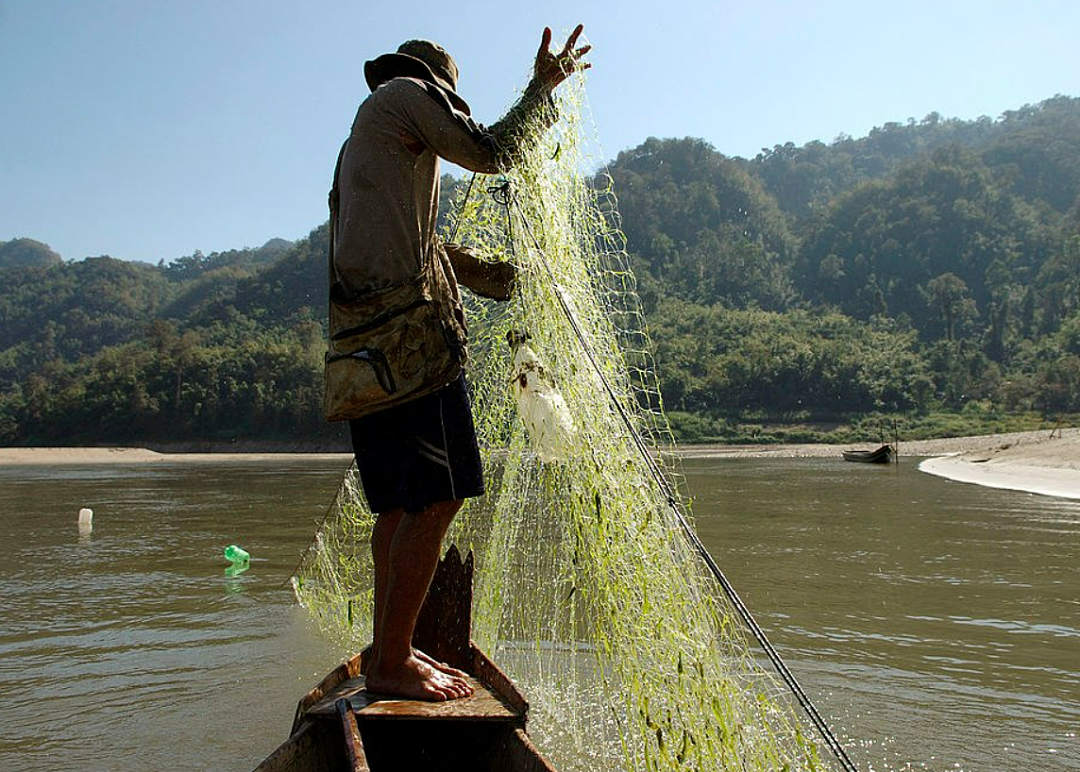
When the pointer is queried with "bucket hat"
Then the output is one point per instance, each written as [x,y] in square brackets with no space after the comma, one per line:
[417,59]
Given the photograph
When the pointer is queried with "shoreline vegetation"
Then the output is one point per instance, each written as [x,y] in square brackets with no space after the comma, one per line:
[1044,462]
[927,273]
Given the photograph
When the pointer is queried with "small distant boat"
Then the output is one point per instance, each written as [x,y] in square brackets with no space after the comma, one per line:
[882,455]
[341,726]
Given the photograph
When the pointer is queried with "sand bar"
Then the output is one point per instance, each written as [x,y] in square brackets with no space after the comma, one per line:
[939,447]
[138,456]
[1025,461]
[1040,464]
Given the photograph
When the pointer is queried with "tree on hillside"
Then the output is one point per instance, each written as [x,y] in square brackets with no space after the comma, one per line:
[95,302]
[291,288]
[930,264]
[949,294]
[27,253]
[702,225]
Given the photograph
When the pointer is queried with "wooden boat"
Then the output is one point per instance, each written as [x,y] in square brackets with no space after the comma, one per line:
[882,455]
[341,726]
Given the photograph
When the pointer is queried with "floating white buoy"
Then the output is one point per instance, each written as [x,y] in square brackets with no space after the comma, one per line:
[86,521]
[542,408]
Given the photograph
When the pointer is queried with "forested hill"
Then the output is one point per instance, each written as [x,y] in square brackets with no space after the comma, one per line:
[928,268]
[1034,147]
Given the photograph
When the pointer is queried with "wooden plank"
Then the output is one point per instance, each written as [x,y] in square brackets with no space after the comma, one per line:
[313,747]
[482,705]
[516,752]
[354,747]
[350,668]
[349,689]
[489,673]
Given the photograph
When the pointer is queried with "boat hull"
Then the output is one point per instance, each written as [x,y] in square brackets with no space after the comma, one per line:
[340,726]
[882,455]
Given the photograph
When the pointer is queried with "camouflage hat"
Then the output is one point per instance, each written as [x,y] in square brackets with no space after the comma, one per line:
[417,59]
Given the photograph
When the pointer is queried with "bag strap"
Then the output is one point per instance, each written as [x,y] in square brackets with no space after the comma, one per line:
[378,320]
[378,362]
[333,199]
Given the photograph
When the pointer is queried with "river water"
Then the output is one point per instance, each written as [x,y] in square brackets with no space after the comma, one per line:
[936,624]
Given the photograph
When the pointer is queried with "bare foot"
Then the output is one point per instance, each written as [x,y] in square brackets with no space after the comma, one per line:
[417,680]
[365,662]
[440,666]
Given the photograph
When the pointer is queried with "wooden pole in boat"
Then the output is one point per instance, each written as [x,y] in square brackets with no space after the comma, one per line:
[354,748]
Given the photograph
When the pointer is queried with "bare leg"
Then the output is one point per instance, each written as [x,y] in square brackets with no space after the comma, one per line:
[407,566]
[382,537]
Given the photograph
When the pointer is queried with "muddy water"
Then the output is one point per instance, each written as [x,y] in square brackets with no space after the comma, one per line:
[937,624]
[128,648]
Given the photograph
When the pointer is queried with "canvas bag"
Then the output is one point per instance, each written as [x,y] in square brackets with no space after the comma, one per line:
[395,344]
[392,346]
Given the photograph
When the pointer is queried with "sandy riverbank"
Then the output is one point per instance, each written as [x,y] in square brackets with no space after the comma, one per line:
[1028,461]
[939,447]
[1036,464]
[98,456]
[1025,461]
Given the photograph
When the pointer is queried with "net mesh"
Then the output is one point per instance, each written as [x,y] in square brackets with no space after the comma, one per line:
[587,593]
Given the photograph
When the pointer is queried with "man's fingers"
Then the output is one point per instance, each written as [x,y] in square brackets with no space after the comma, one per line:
[572,61]
[566,62]
[545,42]
[570,41]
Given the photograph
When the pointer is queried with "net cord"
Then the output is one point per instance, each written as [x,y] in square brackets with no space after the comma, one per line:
[510,200]
[461,209]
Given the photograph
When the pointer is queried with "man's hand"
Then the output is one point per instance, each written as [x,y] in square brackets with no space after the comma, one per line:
[486,279]
[552,69]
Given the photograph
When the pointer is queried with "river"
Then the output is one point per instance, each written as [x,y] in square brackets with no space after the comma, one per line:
[935,624]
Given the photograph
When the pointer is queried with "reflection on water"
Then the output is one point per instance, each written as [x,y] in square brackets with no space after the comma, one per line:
[936,623]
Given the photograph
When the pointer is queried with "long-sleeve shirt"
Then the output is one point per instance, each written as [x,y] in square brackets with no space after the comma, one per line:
[387,187]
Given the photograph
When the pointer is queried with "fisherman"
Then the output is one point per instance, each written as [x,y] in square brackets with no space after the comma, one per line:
[419,460]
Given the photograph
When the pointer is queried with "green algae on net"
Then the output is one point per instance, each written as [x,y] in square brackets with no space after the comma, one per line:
[587,593]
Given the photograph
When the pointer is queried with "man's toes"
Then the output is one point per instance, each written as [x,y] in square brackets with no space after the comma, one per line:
[462,688]
[439,695]
[452,671]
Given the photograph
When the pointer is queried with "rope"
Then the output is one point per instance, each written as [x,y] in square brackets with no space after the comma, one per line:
[461,209]
[507,198]
[504,195]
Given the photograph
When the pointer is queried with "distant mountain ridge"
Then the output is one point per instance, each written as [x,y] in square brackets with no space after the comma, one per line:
[929,265]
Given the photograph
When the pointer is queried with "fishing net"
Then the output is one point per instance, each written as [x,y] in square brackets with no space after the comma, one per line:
[587,591]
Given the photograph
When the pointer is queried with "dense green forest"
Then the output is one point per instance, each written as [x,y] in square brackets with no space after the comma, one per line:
[927,273]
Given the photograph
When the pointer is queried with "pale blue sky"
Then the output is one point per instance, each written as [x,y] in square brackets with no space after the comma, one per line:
[147,129]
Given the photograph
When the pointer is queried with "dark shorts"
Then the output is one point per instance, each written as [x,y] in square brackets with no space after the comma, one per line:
[419,453]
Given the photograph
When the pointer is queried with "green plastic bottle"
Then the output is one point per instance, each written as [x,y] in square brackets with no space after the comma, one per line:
[236,554]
